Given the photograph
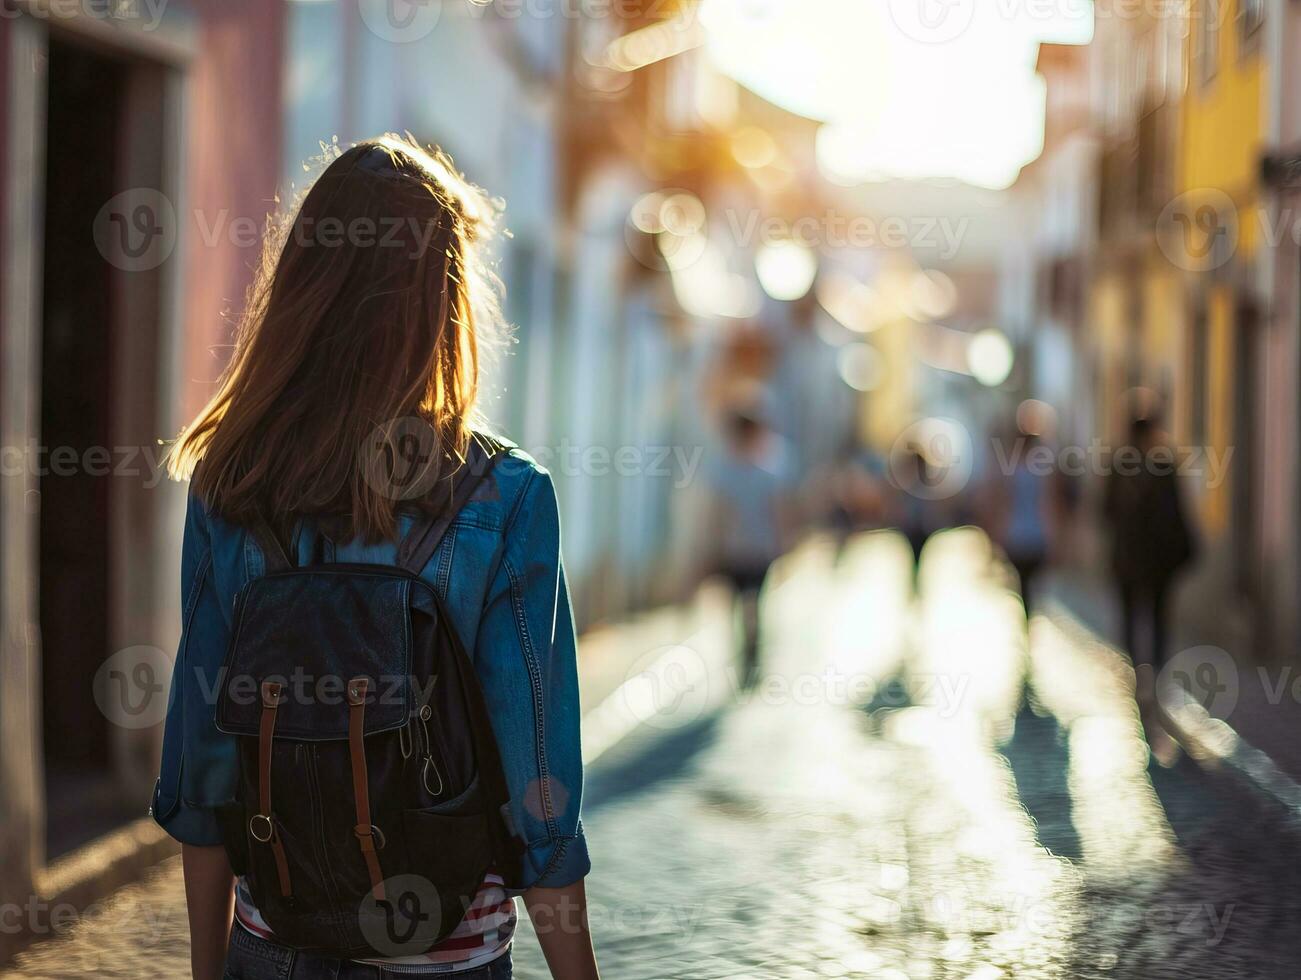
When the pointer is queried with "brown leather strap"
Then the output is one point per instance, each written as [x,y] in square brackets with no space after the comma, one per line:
[262,826]
[365,831]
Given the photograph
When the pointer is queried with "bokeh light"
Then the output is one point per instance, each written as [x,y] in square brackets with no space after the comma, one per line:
[860,366]
[990,357]
[786,269]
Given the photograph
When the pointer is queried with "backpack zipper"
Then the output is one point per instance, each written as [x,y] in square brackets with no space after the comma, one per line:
[318,811]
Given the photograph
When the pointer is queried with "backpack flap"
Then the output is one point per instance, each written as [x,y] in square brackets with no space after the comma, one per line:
[313,630]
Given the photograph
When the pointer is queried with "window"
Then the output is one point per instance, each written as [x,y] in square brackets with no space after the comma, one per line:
[1207,13]
[1158,71]
[1197,381]
[1174,34]
[1251,14]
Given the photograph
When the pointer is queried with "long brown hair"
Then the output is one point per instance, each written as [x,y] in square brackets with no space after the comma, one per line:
[362,331]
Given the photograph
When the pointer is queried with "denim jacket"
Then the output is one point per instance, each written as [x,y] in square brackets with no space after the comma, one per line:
[498,569]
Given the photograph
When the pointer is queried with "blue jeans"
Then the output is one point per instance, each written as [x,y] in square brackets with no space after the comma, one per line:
[252,958]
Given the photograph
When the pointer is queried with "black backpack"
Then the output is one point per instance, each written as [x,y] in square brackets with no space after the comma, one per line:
[371,799]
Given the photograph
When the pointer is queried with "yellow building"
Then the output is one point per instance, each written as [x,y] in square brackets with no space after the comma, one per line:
[1136,302]
[1211,236]
[1173,301]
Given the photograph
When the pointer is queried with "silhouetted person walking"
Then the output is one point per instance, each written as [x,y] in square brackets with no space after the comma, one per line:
[750,483]
[1025,515]
[916,477]
[1150,539]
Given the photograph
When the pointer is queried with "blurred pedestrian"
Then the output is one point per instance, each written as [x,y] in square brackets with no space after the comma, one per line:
[1026,501]
[856,498]
[919,515]
[1151,541]
[752,521]
[353,379]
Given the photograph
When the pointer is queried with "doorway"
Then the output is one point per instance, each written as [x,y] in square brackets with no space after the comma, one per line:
[1245,492]
[80,338]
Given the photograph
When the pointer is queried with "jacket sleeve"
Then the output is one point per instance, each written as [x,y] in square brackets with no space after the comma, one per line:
[198,762]
[526,654]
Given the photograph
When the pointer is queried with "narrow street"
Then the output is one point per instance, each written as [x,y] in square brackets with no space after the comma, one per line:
[912,791]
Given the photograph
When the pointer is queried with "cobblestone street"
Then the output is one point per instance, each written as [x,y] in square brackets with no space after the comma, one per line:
[913,790]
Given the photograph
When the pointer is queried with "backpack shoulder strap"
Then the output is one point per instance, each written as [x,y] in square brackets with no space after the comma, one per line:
[427,533]
[274,556]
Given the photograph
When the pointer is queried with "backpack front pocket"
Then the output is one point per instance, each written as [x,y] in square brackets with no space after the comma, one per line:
[451,845]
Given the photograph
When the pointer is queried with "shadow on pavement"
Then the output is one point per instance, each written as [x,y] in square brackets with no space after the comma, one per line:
[1040,759]
[646,759]
[890,696]
[1214,812]
[1228,909]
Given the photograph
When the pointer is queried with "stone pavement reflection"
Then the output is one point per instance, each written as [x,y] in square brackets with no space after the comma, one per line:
[916,789]
[990,812]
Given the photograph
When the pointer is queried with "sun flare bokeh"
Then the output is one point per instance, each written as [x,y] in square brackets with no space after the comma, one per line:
[896,104]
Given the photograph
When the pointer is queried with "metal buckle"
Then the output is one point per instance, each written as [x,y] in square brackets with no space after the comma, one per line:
[253,826]
[358,688]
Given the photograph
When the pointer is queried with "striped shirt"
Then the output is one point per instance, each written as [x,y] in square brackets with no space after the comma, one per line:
[483,935]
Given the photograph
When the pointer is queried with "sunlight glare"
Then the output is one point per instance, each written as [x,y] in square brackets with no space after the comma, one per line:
[894,105]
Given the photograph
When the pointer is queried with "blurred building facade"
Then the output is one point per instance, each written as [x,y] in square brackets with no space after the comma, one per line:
[1280,445]
[1187,303]
[1047,263]
[674,173]
[1223,134]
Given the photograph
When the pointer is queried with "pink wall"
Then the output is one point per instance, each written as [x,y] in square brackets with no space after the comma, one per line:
[233,161]
[4,139]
